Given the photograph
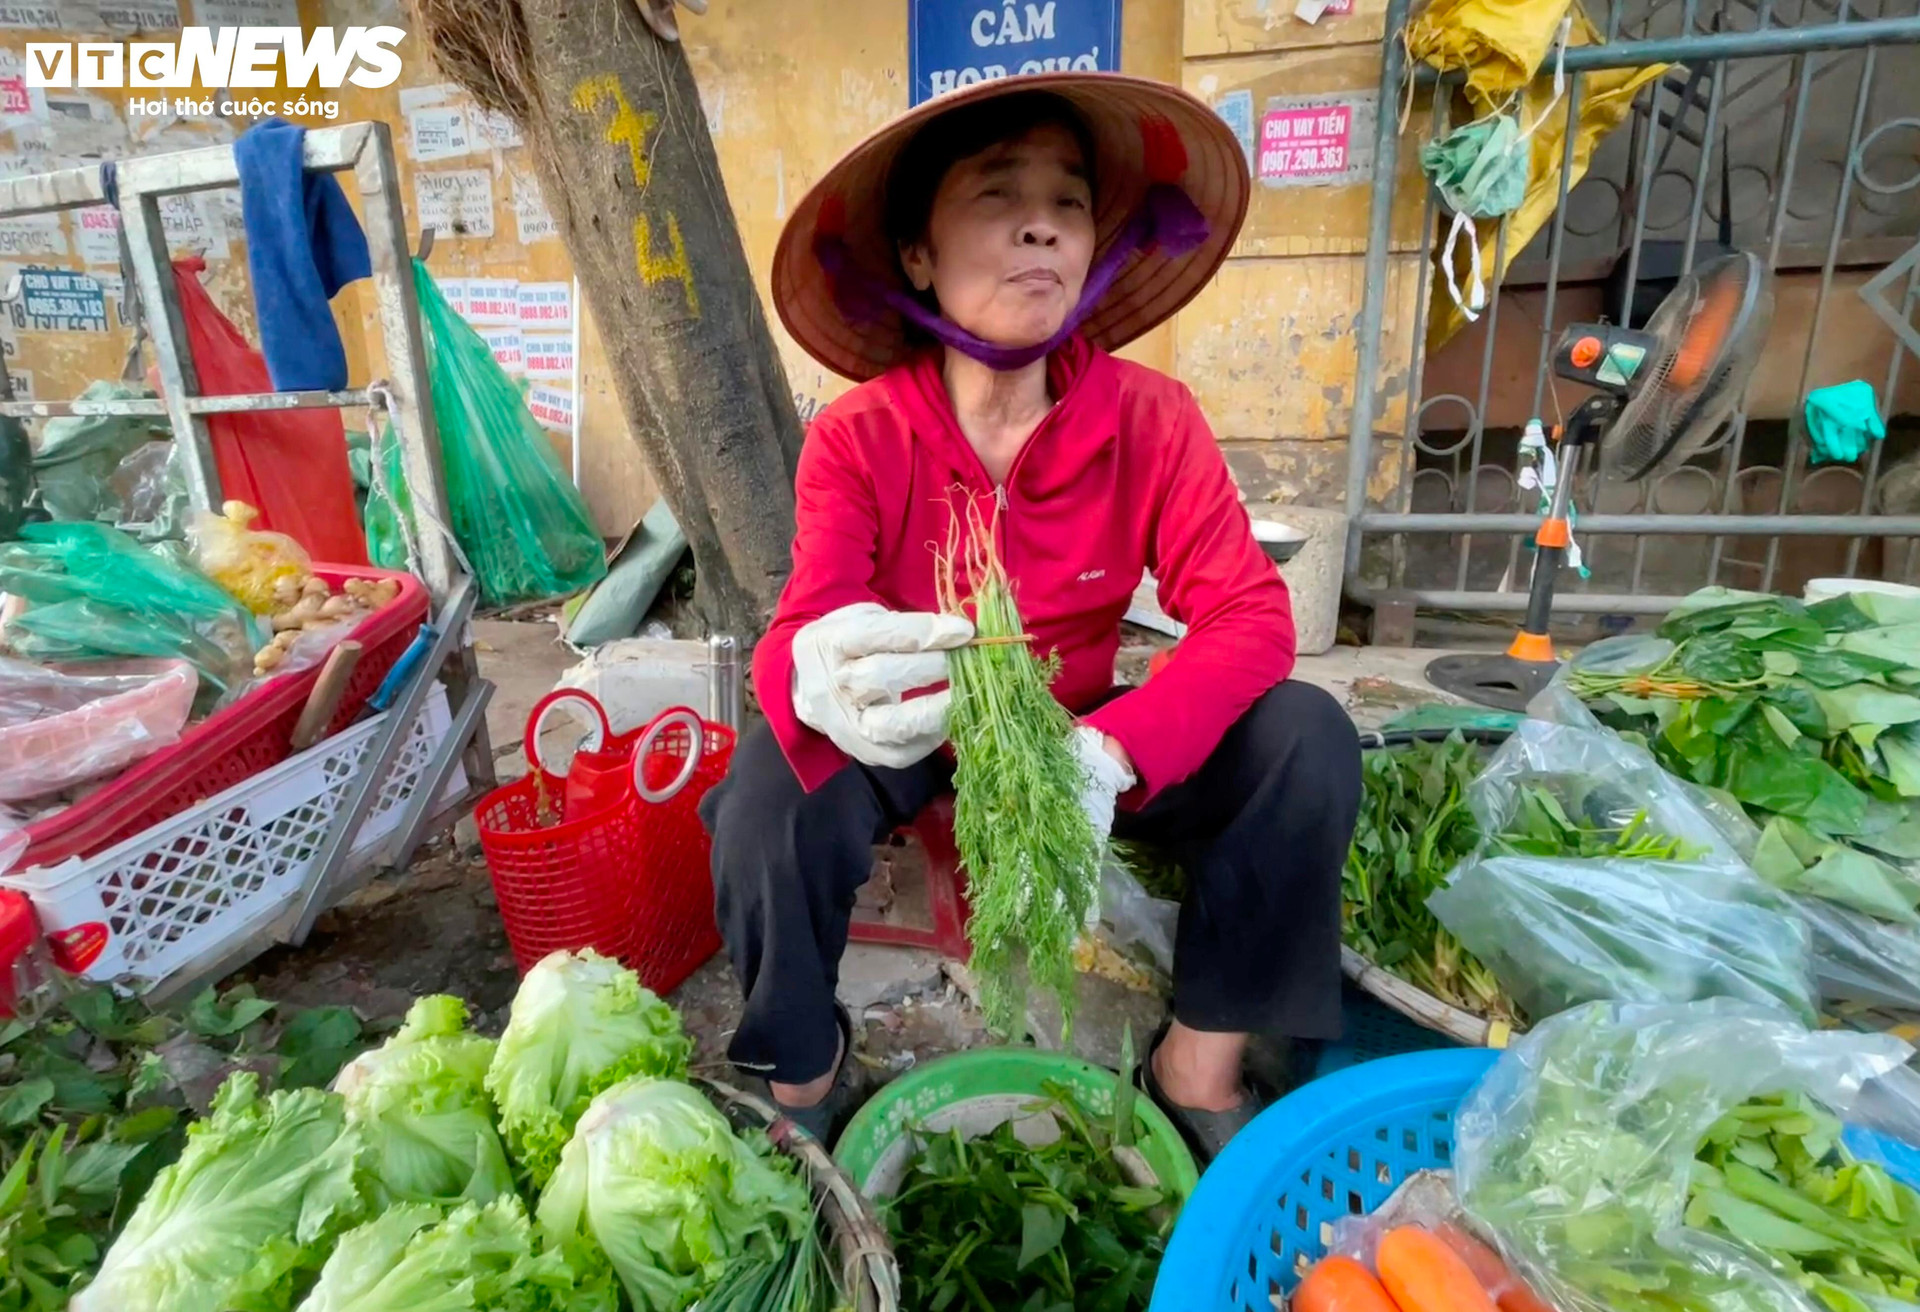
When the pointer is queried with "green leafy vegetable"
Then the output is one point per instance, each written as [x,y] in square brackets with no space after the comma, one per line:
[1414,827]
[212,1016]
[655,1183]
[421,1103]
[264,1186]
[580,1023]
[1805,715]
[55,1199]
[478,1259]
[992,1222]
[1032,857]
[1542,826]
[91,1112]
[1774,1176]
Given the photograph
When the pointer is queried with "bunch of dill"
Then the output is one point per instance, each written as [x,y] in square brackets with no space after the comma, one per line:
[1031,855]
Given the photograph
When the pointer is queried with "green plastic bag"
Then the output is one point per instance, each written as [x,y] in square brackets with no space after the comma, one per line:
[94,593]
[520,521]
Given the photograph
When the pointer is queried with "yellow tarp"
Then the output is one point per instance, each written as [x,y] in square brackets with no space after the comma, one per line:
[1498,44]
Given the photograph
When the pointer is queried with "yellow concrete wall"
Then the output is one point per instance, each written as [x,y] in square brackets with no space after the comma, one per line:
[1269,348]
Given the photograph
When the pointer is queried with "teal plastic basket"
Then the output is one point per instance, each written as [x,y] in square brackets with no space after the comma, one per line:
[1336,1147]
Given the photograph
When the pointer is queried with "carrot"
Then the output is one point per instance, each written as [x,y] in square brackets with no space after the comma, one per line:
[1507,1289]
[1340,1284]
[1422,1274]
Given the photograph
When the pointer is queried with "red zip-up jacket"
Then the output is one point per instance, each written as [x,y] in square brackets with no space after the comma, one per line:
[1122,476]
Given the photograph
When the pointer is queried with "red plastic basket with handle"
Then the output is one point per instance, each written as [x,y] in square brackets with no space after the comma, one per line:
[623,871]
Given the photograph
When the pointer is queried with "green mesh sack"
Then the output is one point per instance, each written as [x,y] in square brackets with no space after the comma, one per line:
[516,515]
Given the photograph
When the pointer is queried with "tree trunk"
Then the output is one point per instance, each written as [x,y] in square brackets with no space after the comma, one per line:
[614,124]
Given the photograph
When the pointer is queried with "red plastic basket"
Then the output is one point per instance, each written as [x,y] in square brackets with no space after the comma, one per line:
[631,879]
[233,744]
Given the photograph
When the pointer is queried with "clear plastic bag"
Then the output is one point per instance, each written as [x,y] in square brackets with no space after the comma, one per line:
[1856,956]
[516,514]
[93,593]
[1425,1199]
[1557,933]
[1577,1149]
[251,565]
[1131,917]
[78,454]
[1558,930]
[152,495]
[1859,959]
[63,727]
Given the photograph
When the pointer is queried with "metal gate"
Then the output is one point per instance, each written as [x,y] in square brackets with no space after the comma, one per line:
[1790,126]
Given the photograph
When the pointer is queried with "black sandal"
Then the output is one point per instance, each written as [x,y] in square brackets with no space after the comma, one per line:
[1206,1133]
[826,1118]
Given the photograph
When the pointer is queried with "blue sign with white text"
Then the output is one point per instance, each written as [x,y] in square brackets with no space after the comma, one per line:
[956,43]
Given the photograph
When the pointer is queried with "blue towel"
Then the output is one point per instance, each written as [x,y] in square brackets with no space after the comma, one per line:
[303,245]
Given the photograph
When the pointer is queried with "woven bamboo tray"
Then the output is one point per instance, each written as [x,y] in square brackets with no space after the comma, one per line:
[1421,1007]
[869,1275]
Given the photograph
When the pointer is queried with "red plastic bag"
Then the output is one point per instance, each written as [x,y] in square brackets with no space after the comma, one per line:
[290,464]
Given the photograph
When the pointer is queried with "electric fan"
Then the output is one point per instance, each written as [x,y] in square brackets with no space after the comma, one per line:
[1662,393]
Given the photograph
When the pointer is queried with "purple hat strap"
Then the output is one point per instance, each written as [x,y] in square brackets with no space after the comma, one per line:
[1167,220]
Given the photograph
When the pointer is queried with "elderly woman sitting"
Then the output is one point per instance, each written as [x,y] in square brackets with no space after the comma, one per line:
[974,263]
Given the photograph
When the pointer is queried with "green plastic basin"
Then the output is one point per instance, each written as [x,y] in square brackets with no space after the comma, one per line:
[977,1091]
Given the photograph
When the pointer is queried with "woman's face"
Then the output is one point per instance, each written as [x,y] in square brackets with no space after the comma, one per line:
[1009,238]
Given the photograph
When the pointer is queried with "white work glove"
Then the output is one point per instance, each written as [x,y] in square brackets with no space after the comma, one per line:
[1105,779]
[850,668]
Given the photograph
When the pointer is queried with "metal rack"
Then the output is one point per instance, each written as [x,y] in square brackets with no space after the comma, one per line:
[135,187]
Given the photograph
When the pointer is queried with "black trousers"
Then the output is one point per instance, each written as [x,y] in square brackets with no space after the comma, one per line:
[1261,830]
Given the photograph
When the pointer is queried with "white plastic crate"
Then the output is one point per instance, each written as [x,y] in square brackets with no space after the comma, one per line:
[184,890]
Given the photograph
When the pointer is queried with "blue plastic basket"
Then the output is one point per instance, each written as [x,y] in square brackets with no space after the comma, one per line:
[1336,1147]
[1369,1031]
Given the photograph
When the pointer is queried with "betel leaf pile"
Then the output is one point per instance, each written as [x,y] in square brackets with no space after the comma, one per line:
[1807,715]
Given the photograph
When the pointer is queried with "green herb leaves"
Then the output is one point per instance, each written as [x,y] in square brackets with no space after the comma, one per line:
[1414,827]
[992,1224]
[1808,716]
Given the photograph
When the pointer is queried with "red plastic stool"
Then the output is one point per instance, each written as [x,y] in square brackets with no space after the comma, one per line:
[946,892]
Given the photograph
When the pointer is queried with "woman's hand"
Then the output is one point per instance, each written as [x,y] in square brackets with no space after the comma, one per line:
[852,667]
[1108,774]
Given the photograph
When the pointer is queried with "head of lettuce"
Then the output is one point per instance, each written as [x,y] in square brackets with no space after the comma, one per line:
[254,1203]
[656,1179]
[580,1023]
[421,1103]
